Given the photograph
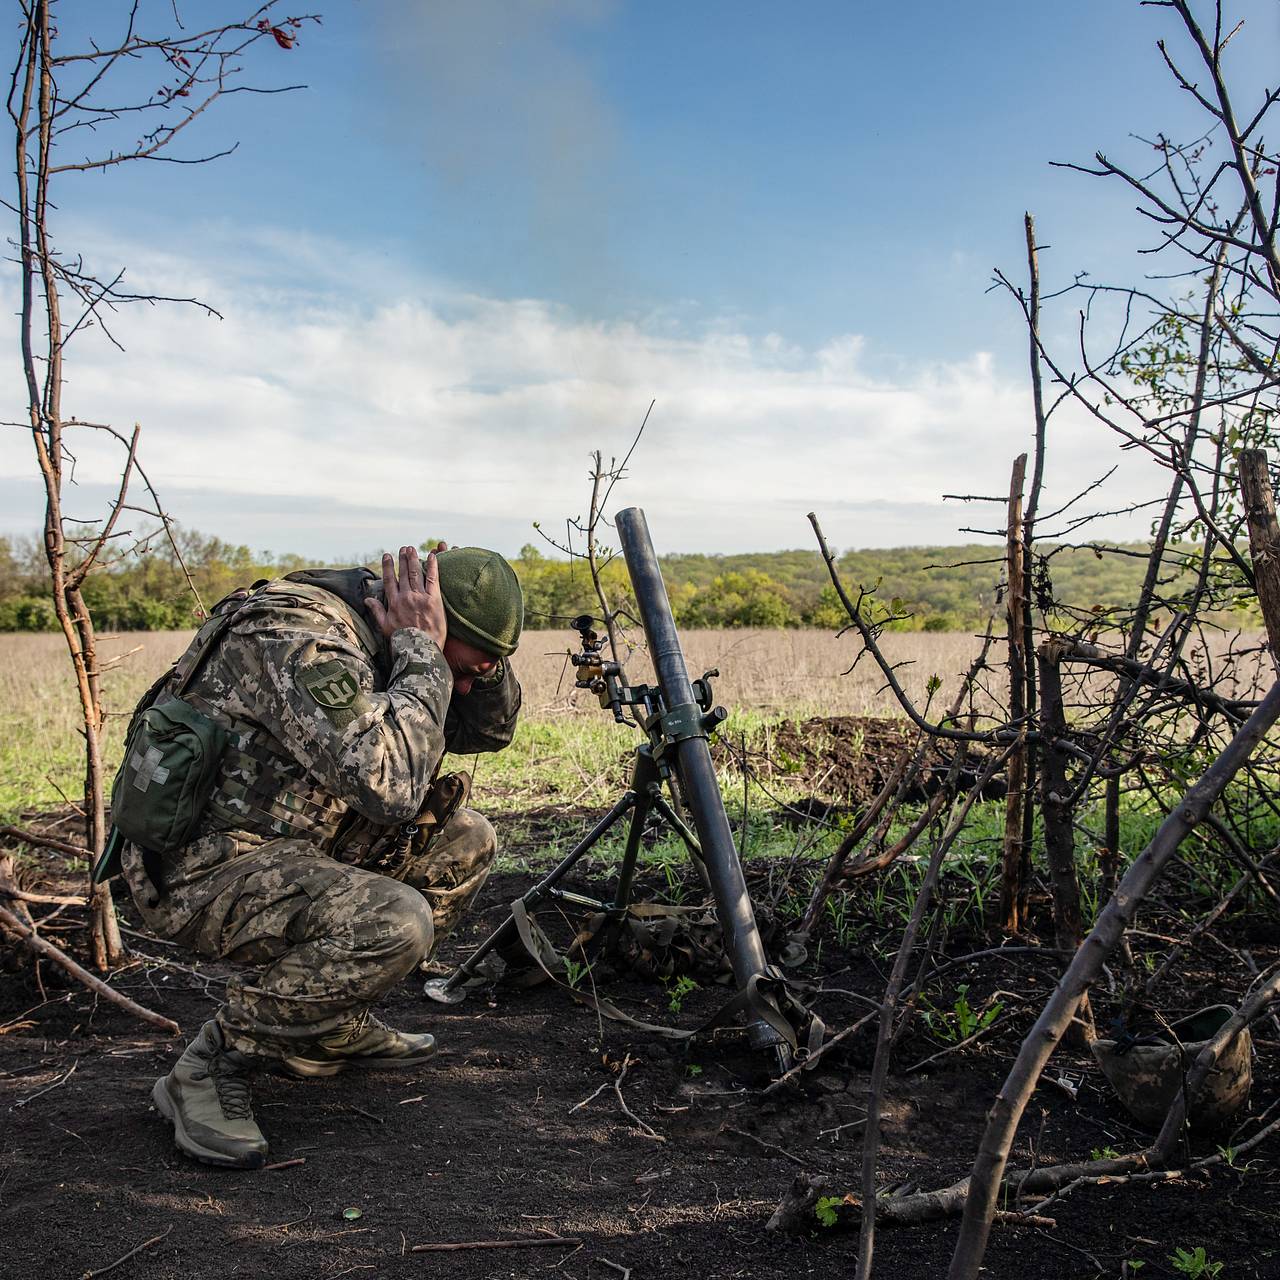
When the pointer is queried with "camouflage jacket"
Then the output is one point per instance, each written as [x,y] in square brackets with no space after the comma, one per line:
[327,716]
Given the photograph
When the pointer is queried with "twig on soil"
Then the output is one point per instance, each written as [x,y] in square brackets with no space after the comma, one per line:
[805,1063]
[496,1244]
[591,1097]
[853,995]
[148,937]
[617,1266]
[43,841]
[646,1130]
[768,1146]
[840,1128]
[31,1097]
[21,1023]
[1075,1248]
[1053,953]
[146,1244]
[51,899]
[50,952]
[284,1164]
[951,1048]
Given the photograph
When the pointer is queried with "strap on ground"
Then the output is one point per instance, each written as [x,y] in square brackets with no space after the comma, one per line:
[766,998]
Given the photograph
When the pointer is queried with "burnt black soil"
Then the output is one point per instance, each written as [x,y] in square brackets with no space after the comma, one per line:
[490,1142]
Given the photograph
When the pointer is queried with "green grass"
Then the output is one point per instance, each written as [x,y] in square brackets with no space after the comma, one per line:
[582,763]
[41,746]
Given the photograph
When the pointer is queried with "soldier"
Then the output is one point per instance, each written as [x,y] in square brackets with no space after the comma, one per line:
[328,856]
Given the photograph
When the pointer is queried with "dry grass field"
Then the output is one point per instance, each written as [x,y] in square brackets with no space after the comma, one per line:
[766,671]
[763,674]
[771,673]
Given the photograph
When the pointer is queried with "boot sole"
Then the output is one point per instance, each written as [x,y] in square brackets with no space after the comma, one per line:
[310,1069]
[189,1146]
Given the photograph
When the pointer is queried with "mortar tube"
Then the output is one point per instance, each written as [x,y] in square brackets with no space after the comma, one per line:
[694,766]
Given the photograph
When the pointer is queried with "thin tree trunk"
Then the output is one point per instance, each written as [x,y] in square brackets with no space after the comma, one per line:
[45,408]
[1031,766]
[1059,835]
[1264,539]
[1013,870]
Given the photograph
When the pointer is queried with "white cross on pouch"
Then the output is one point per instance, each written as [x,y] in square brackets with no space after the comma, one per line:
[148,768]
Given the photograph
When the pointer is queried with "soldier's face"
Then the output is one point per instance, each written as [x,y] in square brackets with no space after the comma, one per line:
[466,662]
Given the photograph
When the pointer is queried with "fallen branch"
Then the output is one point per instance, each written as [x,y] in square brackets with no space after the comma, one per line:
[1159,1175]
[647,1130]
[43,899]
[146,1244]
[763,1145]
[796,1209]
[44,842]
[540,1242]
[46,949]
[628,1062]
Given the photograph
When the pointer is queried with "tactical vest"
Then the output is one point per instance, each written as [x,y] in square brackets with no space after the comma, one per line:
[260,787]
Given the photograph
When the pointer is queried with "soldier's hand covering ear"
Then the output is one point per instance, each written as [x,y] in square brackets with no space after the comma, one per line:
[411,600]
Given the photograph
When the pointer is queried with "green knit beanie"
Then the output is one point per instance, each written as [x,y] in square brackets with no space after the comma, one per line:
[482,598]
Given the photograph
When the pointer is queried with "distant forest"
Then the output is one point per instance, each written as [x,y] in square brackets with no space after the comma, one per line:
[936,588]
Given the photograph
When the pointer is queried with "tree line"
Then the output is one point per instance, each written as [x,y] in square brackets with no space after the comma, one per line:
[932,588]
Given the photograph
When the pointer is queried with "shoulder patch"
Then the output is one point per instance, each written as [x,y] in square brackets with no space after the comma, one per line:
[331,684]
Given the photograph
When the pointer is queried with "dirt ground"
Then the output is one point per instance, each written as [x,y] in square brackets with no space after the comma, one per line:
[852,757]
[495,1140]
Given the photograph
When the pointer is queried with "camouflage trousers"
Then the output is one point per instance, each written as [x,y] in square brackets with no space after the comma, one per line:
[323,939]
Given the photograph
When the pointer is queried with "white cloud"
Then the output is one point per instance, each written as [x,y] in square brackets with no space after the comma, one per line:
[351,398]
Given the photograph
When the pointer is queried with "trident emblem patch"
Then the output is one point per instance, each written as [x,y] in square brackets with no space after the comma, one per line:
[331,685]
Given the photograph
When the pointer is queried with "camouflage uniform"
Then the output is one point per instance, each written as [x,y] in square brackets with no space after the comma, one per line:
[336,736]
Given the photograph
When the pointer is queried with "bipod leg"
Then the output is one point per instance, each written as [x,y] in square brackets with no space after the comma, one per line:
[644,775]
[686,834]
[450,990]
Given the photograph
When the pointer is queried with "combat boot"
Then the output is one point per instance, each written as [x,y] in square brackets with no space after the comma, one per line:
[362,1042]
[206,1098]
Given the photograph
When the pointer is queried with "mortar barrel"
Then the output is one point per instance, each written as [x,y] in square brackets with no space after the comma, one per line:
[694,766]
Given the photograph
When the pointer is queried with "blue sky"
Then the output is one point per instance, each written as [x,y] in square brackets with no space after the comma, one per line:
[487,234]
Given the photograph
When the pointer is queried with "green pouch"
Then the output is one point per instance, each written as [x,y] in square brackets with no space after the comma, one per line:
[170,766]
[171,754]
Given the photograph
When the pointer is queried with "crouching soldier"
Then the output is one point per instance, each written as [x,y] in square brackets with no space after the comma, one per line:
[279,806]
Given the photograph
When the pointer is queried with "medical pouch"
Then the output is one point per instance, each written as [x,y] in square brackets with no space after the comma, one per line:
[169,769]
